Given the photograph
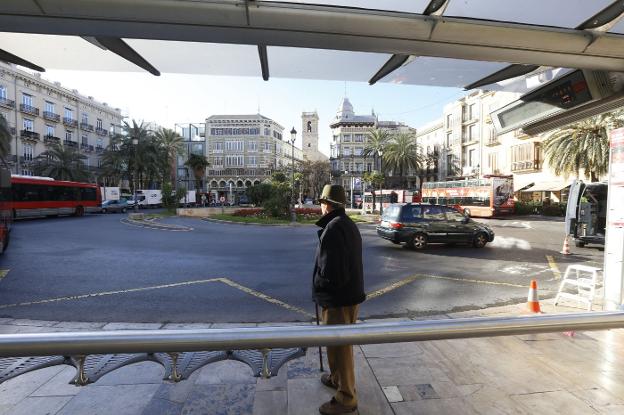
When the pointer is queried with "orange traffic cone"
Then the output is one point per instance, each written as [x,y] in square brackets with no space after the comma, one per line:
[532,301]
[566,246]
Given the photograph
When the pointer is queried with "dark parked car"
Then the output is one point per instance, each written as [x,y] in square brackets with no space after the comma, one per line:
[120,205]
[417,224]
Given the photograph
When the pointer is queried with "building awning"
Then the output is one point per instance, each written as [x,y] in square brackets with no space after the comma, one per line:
[555,186]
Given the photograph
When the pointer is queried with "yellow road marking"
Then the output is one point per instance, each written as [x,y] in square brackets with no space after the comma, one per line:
[105,293]
[412,278]
[3,273]
[553,267]
[265,297]
[226,281]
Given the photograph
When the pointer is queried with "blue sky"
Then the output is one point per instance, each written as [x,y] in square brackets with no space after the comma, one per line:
[178,98]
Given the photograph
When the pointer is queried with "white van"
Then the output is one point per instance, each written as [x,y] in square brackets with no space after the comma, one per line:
[586,213]
[149,198]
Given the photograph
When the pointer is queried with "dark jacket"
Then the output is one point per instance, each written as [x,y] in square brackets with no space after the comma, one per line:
[338,278]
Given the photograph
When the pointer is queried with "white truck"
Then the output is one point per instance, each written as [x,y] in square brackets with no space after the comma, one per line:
[189,200]
[149,198]
[110,193]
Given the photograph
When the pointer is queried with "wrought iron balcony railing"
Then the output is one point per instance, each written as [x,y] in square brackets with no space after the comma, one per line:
[70,143]
[70,122]
[27,109]
[50,116]
[101,131]
[50,139]
[29,134]
[86,126]
[8,103]
[99,149]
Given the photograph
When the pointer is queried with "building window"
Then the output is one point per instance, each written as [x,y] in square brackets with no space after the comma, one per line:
[28,152]
[3,92]
[472,112]
[85,118]
[49,107]
[99,124]
[493,163]
[251,161]
[50,130]
[68,135]
[218,161]
[358,151]
[85,140]
[449,165]
[346,138]
[252,146]
[218,146]
[449,121]
[29,125]
[358,167]
[27,99]
[27,172]
[69,113]
[266,147]
[369,167]
[234,146]
[100,142]
[346,151]
[472,157]
[358,138]
[449,139]
[99,162]
[527,156]
[267,131]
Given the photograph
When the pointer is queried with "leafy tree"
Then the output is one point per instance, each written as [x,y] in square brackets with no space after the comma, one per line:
[113,163]
[402,155]
[5,139]
[180,194]
[278,205]
[278,177]
[259,193]
[172,144]
[583,146]
[169,199]
[315,175]
[198,164]
[61,163]
[376,181]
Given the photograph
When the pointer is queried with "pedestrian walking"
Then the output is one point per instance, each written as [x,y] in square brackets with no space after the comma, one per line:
[338,287]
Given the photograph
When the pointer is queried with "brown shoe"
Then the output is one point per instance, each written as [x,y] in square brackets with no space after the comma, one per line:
[327,381]
[334,407]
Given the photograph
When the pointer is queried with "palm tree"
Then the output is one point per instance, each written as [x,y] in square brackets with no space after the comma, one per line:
[171,143]
[584,145]
[142,158]
[376,144]
[402,155]
[61,163]
[5,139]
[113,164]
[198,164]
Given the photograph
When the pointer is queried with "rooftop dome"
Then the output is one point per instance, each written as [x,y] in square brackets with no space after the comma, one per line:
[345,110]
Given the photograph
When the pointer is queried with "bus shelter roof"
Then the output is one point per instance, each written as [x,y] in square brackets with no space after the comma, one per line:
[460,43]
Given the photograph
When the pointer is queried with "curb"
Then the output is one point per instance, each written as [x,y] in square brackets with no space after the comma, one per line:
[207,219]
[150,224]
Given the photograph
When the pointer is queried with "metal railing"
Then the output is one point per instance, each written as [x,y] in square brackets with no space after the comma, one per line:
[262,338]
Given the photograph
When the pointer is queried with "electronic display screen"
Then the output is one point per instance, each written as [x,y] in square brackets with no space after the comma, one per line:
[565,93]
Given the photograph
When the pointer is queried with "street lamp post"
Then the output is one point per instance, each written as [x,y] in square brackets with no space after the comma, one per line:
[135,143]
[293,136]
[381,183]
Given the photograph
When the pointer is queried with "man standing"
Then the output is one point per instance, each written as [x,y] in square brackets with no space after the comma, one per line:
[338,287]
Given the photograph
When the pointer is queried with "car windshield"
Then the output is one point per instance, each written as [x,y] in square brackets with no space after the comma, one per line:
[392,212]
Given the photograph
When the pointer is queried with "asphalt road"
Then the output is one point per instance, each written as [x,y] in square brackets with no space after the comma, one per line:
[97,268]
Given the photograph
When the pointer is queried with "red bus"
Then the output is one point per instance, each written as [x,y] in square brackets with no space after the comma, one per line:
[389,196]
[486,197]
[44,196]
[6,212]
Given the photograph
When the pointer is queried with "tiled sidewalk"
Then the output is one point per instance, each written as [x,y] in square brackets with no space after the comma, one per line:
[546,374]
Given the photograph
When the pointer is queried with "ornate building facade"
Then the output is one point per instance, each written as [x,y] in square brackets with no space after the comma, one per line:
[41,113]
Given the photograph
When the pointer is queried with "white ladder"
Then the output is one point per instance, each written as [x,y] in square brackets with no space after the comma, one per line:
[585,284]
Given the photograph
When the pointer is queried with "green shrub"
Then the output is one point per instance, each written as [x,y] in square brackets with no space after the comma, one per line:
[554,209]
[168,197]
[528,208]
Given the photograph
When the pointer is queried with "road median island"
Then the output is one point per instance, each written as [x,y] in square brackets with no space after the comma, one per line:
[138,219]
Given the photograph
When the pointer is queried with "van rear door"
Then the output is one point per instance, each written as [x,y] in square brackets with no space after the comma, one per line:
[576,190]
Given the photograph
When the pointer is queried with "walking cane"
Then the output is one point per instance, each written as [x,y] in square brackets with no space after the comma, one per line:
[320,351]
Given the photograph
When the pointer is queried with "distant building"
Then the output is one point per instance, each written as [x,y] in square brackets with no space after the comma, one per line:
[244,150]
[41,113]
[310,137]
[430,140]
[350,134]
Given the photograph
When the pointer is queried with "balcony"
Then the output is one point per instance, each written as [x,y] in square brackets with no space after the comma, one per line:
[7,103]
[29,135]
[27,109]
[86,147]
[101,131]
[50,116]
[492,141]
[70,122]
[70,143]
[99,149]
[467,139]
[85,126]
[526,166]
[50,139]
